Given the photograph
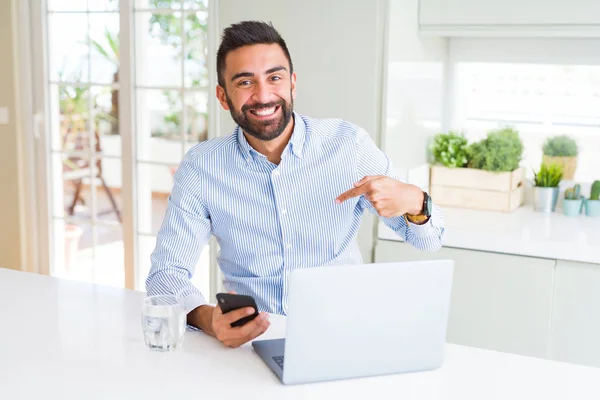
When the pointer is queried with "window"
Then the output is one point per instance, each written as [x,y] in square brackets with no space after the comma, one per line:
[541,98]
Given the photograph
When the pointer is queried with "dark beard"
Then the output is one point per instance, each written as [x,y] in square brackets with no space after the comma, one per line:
[263,130]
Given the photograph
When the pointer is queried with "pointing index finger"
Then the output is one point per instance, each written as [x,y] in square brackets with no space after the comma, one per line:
[352,193]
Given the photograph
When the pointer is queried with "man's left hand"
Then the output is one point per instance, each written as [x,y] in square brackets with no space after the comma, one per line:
[390,197]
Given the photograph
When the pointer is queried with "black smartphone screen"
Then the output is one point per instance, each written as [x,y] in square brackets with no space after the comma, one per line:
[229,302]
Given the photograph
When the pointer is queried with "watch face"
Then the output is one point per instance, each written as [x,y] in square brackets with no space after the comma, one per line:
[428,205]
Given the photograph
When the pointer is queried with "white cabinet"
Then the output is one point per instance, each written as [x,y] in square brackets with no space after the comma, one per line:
[499,302]
[575,332]
[470,15]
[509,12]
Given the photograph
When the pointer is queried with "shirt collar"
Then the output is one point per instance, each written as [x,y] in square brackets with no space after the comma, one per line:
[244,145]
[296,141]
[298,136]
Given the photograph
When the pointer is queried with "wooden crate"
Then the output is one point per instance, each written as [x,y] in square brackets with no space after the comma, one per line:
[477,189]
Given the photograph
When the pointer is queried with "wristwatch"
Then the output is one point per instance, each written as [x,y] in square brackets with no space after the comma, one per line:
[425,213]
[427,205]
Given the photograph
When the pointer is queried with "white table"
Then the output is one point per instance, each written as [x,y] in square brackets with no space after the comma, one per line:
[61,339]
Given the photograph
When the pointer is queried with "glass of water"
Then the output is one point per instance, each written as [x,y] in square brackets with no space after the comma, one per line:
[163,323]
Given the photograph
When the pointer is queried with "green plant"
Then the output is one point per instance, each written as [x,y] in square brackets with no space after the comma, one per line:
[73,108]
[73,103]
[170,29]
[501,150]
[595,195]
[573,193]
[549,175]
[450,149]
[108,48]
[560,146]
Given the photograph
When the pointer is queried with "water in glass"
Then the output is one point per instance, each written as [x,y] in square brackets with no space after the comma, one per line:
[163,323]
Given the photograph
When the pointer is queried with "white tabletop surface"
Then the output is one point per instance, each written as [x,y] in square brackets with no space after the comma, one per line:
[522,232]
[61,339]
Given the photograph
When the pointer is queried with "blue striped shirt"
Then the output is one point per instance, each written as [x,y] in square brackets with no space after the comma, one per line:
[270,219]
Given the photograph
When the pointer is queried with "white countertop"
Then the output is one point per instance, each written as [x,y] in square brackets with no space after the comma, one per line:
[63,340]
[522,232]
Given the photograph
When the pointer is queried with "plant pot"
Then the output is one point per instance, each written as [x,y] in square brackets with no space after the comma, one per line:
[572,208]
[544,198]
[569,165]
[592,208]
[477,189]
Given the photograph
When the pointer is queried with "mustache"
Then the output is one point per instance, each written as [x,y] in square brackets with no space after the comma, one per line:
[248,107]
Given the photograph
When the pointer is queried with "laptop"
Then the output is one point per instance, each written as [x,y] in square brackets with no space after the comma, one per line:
[362,320]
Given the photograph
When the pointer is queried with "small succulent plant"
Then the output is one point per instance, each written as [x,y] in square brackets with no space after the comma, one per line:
[595,195]
[573,193]
[560,146]
[549,175]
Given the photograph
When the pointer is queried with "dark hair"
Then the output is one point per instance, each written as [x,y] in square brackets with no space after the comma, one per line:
[247,33]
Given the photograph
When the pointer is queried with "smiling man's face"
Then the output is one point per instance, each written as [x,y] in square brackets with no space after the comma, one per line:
[259,90]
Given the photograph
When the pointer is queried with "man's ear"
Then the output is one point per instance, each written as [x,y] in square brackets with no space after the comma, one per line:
[222,97]
[293,79]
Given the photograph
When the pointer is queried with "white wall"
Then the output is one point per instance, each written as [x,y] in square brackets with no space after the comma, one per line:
[414,90]
[10,171]
[337,51]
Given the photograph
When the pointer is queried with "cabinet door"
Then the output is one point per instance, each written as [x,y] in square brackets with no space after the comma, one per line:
[575,331]
[508,12]
[499,302]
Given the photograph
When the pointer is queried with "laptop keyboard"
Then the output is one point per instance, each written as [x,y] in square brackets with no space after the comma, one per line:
[278,360]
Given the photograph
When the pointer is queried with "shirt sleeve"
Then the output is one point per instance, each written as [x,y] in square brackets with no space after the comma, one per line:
[184,232]
[372,161]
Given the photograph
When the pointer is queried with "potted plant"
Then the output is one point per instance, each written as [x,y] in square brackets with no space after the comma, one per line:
[562,150]
[545,192]
[573,202]
[592,205]
[450,149]
[492,180]
[500,151]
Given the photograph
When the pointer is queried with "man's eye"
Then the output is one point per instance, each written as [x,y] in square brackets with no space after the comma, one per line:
[244,83]
[276,78]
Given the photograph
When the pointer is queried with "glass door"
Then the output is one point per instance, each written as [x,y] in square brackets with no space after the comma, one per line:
[171,96]
[84,147]
[126,88]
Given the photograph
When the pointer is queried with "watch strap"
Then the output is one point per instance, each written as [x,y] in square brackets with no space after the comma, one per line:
[425,213]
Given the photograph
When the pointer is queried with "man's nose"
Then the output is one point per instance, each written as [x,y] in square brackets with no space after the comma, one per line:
[262,93]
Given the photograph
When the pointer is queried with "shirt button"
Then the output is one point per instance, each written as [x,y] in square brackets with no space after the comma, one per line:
[288,246]
[276,173]
[284,211]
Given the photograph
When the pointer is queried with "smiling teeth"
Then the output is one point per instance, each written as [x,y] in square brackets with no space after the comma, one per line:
[265,112]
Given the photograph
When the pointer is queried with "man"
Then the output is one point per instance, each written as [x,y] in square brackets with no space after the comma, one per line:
[284,191]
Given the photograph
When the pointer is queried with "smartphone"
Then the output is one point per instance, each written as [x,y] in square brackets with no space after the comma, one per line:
[229,302]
